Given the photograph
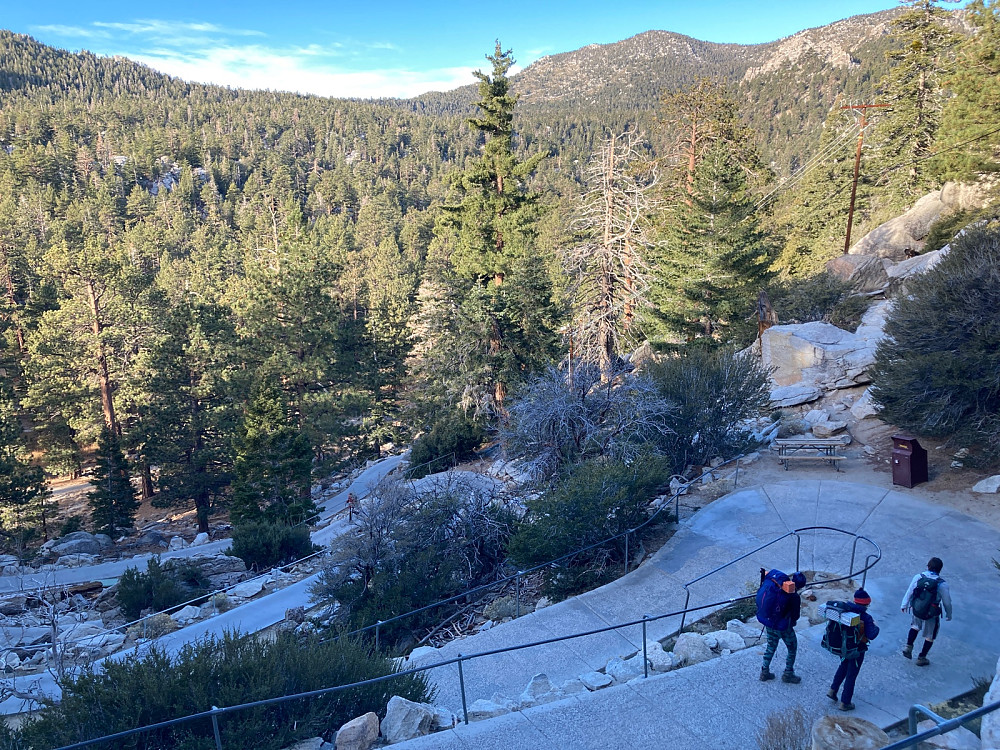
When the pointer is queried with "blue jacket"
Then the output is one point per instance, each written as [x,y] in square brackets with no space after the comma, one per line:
[870,628]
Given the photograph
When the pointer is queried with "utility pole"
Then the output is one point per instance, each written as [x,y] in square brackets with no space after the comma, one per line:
[857,163]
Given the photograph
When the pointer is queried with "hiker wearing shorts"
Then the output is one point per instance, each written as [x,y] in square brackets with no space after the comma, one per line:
[778,610]
[927,594]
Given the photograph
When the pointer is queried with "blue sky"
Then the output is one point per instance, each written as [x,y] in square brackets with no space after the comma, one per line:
[383,47]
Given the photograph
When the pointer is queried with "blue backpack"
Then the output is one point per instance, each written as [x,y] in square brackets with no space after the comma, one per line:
[770,602]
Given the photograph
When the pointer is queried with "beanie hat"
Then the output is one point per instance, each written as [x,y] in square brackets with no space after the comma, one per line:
[861,597]
[799,579]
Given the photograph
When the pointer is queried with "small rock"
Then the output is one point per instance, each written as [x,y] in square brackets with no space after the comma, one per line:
[962,453]
[177,543]
[200,539]
[540,687]
[573,687]
[247,589]
[359,734]
[690,648]
[313,743]
[621,670]
[405,719]
[749,458]
[660,660]
[954,464]
[484,709]
[726,639]
[595,680]
[186,615]
[296,614]
[988,486]
[443,719]
[543,603]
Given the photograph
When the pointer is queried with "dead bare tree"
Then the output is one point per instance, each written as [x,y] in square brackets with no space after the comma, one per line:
[610,272]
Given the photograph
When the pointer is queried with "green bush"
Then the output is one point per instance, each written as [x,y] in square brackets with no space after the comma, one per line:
[943,231]
[451,440]
[262,545]
[715,393]
[937,371]
[159,588]
[71,524]
[806,300]
[597,500]
[154,687]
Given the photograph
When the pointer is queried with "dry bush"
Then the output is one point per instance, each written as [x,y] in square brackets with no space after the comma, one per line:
[787,729]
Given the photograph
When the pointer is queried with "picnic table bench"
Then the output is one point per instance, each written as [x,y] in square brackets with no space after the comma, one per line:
[797,449]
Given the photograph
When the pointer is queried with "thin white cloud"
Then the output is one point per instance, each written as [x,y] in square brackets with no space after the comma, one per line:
[209,53]
[162,27]
[257,67]
[70,31]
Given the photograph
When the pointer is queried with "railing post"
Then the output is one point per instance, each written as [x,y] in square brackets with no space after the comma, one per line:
[626,552]
[798,547]
[215,727]
[736,479]
[687,598]
[854,549]
[517,593]
[377,625]
[645,664]
[461,684]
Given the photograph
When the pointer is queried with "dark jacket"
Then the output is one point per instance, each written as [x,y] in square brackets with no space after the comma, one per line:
[870,631]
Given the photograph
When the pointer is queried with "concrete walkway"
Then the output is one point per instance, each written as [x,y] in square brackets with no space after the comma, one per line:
[720,703]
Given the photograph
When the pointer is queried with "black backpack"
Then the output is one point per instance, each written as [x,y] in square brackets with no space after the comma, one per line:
[841,637]
[924,601]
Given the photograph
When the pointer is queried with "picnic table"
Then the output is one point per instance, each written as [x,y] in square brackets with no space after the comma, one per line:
[796,449]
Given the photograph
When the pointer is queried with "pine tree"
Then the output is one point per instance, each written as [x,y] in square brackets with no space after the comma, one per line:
[715,257]
[23,491]
[904,136]
[273,469]
[113,502]
[493,259]
[968,141]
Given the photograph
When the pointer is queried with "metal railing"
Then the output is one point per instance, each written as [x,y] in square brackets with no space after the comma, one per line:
[461,659]
[797,533]
[943,725]
[516,577]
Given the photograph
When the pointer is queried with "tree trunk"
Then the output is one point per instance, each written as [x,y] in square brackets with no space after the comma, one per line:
[104,379]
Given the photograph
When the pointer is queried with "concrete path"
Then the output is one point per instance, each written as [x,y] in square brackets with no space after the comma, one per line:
[721,704]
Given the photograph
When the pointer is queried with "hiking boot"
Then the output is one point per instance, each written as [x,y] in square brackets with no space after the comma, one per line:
[791,677]
[766,675]
[922,661]
[908,651]
[831,694]
[845,706]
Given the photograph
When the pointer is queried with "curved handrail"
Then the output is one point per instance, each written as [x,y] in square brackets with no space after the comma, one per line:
[459,660]
[517,576]
[798,542]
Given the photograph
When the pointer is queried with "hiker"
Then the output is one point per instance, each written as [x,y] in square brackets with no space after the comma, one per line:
[847,672]
[927,593]
[778,606]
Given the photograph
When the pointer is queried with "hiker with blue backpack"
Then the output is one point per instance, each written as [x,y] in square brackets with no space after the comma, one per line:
[924,599]
[778,608]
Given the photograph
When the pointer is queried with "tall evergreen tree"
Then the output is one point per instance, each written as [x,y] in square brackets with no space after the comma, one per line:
[273,466]
[715,258]
[969,140]
[112,500]
[904,135]
[504,319]
[23,491]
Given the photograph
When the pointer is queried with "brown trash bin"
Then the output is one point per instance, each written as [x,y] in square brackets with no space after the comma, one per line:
[909,461]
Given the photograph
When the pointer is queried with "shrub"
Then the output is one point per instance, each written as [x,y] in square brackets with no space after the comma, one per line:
[262,545]
[715,394]
[937,372]
[70,525]
[597,500]
[452,439]
[159,588]
[411,547]
[787,729]
[813,298]
[154,687]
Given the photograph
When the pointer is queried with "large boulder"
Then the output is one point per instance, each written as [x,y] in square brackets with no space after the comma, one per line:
[725,640]
[847,733]
[77,543]
[866,272]
[898,272]
[405,719]
[903,236]
[817,354]
[359,734]
[989,732]
[691,648]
